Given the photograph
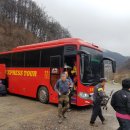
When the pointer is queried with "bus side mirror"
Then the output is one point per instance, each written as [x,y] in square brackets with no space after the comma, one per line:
[113,63]
[114,66]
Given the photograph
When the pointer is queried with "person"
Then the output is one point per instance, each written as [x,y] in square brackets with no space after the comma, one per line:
[121,104]
[98,96]
[71,85]
[62,88]
[66,67]
[74,75]
[3,90]
[74,70]
[69,79]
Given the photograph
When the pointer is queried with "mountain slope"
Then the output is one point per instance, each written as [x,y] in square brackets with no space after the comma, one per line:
[30,16]
[125,67]
[123,72]
[11,35]
[120,59]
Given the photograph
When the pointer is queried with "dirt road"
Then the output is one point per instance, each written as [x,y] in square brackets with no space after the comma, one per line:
[19,113]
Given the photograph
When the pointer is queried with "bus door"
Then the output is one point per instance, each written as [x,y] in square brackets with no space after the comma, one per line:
[70,65]
[55,70]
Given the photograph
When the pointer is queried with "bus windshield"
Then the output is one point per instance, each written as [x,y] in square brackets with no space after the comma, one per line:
[90,70]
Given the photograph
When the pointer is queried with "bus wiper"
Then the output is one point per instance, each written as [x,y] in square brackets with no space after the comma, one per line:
[90,84]
[93,84]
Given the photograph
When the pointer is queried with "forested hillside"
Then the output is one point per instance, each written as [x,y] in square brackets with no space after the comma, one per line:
[123,72]
[24,22]
[120,59]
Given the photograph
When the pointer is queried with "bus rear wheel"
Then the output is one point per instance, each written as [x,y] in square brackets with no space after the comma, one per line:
[43,95]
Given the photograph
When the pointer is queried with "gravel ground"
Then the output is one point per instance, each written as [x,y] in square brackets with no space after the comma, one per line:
[20,113]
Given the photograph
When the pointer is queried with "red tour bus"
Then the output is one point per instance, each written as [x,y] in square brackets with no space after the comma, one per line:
[32,70]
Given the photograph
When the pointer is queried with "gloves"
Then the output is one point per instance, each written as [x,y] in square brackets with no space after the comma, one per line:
[106,96]
[59,93]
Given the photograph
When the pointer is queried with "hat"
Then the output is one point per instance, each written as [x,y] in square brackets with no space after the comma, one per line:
[67,67]
[103,80]
[126,83]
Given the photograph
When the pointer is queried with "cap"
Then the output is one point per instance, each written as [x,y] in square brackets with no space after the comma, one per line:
[67,67]
[103,80]
[126,83]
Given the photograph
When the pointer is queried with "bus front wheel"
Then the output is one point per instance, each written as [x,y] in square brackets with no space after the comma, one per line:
[43,95]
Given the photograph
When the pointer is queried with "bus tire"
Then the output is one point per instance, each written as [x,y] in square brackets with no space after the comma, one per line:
[43,95]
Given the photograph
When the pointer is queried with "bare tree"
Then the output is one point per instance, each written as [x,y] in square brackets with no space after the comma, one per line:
[27,14]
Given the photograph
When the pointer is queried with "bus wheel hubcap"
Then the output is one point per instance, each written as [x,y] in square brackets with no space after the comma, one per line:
[43,95]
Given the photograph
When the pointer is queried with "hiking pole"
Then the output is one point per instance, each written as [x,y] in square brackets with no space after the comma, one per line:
[107,100]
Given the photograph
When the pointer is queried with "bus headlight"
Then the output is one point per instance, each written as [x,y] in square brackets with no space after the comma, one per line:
[83,95]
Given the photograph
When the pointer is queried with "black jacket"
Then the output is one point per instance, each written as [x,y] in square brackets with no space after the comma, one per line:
[121,101]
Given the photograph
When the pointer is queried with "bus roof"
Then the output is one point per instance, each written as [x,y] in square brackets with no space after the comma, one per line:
[55,43]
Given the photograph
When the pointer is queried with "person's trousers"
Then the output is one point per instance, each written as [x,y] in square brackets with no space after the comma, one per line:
[124,124]
[96,112]
[70,95]
[63,105]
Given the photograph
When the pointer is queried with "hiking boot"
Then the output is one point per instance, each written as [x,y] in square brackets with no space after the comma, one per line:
[104,122]
[63,114]
[69,110]
[93,124]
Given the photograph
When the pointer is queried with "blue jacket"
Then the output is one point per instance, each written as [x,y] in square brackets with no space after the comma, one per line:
[62,86]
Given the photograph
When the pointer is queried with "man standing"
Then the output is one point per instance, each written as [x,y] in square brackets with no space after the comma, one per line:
[121,104]
[71,84]
[62,88]
[98,96]
[71,87]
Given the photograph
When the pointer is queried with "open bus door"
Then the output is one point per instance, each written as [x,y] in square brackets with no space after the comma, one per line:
[55,70]
[2,71]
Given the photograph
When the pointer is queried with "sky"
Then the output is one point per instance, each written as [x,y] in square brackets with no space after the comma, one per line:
[103,22]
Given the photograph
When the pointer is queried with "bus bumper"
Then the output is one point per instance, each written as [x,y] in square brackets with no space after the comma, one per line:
[84,102]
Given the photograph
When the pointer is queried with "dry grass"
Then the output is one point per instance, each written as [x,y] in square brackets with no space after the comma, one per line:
[122,75]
